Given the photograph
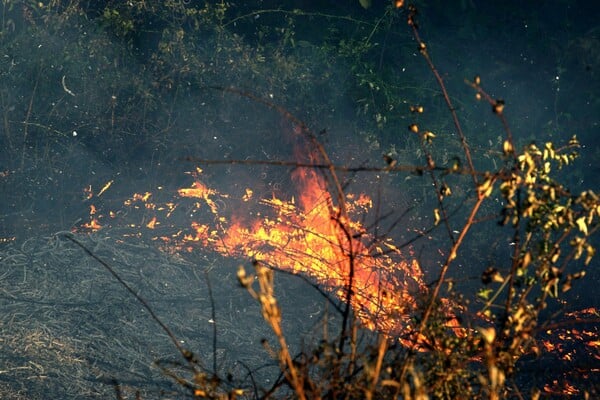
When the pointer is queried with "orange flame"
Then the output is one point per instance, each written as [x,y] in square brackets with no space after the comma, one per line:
[152,223]
[308,234]
[93,225]
[312,237]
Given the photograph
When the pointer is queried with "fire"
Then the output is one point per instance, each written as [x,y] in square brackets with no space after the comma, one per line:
[199,190]
[152,223]
[318,235]
[93,225]
[311,233]
[308,234]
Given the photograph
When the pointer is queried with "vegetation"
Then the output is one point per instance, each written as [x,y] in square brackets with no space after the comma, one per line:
[135,82]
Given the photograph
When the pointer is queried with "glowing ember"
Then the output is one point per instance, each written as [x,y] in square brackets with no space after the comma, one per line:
[199,190]
[93,225]
[152,223]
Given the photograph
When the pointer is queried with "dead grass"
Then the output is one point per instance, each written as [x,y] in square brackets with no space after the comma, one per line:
[67,329]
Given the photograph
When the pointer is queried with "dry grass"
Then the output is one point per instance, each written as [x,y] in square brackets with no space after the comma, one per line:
[67,329]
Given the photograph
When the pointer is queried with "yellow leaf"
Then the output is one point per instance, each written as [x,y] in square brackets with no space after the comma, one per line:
[555,256]
[485,189]
[436,216]
[484,293]
[591,252]
[427,135]
[574,141]
[507,147]
[549,151]
[582,225]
